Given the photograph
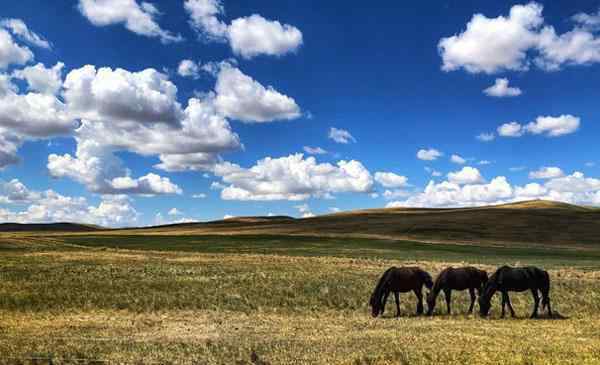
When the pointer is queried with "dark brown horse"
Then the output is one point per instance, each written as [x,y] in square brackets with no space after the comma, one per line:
[399,280]
[461,278]
[518,279]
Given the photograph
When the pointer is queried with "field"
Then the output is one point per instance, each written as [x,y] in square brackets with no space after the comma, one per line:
[269,299]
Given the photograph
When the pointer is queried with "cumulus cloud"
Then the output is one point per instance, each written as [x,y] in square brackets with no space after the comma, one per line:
[467,175]
[240,97]
[575,189]
[545,125]
[341,136]
[41,79]
[514,42]
[249,36]
[11,52]
[139,18]
[511,129]
[175,211]
[458,159]
[500,89]
[546,173]
[391,180]
[314,150]
[554,126]
[49,206]
[188,68]
[292,178]
[430,154]
[137,112]
[199,196]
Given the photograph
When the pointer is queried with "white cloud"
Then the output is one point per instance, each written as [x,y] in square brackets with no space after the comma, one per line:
[395,194]
[50,206]
[254,35]
[449,194]
[391,180]
[467,175]
[304,209]
[500,89]
[546,125]
[139,18]
[512,129]
[314,150]
[574,189]
[199,196]
[433,172]
[188,68]
[486,137]
[341,136]
[517,168]
[430,154]
[484,162]
[20,30]
[175,211]
[546,173]
[458,159]
[554,126]
[149,184]
[41,79]
[11,53]
[249,36]
[590,164]
[292,178]
[240,97]
[591,21]
[492,45]
[137,112]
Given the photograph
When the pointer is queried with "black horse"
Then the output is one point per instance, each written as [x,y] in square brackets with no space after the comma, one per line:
[519,279]
[457,279]
[399,280]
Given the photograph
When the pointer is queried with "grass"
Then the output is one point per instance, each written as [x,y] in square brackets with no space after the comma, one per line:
[218,300]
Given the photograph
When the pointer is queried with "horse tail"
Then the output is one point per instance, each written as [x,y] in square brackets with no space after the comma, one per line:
[378,291]
[545,289]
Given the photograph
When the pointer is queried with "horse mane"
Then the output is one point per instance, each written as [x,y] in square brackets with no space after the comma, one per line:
[378,291]
[427,279]
[438,281]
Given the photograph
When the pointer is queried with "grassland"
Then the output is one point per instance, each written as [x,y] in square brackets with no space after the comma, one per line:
[220,299]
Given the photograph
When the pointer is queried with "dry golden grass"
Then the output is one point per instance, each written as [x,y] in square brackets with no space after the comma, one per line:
[144,306]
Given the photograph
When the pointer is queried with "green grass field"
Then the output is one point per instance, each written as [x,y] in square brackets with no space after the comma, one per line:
[220,299]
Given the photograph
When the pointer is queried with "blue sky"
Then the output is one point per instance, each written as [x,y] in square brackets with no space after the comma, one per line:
[121,112]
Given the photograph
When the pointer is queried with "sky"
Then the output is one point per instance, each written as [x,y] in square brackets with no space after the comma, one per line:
[131,113]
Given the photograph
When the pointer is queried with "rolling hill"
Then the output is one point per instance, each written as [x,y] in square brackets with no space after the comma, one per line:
[531,222]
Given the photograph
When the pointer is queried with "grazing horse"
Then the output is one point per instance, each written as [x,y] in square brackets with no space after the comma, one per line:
[399,280]
[457,279]
[519,279]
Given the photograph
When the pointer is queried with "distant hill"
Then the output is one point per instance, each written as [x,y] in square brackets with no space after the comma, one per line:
[538,221]
[47,227]
[530,222]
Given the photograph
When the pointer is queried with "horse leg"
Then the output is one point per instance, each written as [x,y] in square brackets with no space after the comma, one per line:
[385,298]
[546,300]
[536,300]
[397,297]
[512,311]
[504,295]
[419,294]
[448,295]
[472,294]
